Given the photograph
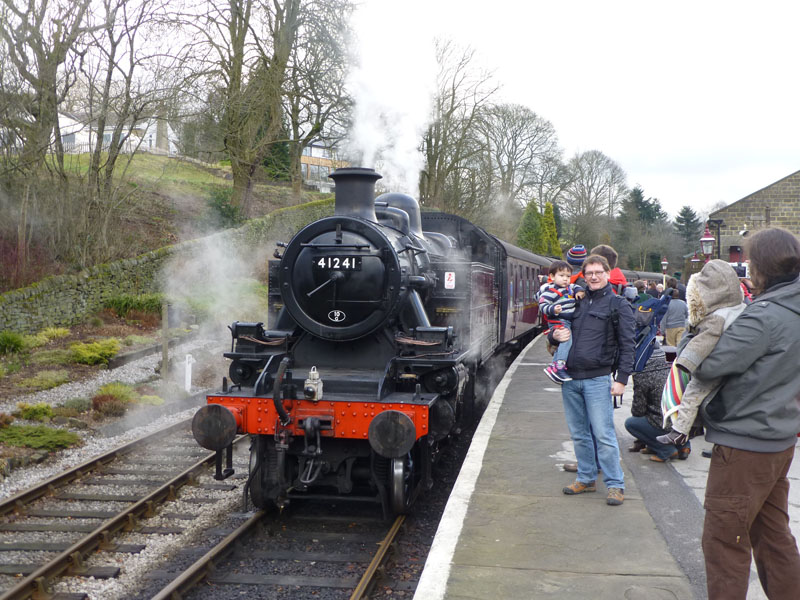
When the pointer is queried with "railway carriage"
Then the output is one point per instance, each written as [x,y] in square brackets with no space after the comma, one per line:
[379,319]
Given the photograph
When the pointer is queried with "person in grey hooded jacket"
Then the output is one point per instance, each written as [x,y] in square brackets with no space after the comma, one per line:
[753,420]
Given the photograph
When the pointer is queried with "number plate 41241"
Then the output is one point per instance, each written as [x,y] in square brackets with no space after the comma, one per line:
[337,263]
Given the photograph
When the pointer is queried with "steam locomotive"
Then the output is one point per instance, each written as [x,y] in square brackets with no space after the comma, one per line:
[379,319]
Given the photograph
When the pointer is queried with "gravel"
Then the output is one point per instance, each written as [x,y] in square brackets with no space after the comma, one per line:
[95,443]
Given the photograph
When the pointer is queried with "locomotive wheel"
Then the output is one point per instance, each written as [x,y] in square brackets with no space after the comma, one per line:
[264,486]
[401,484]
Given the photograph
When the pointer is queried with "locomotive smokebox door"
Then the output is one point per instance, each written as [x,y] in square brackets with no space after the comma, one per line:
[392,434]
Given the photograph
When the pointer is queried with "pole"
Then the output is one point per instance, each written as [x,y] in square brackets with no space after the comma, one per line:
[164,340]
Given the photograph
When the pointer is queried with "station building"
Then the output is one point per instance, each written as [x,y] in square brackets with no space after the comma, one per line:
[777,205]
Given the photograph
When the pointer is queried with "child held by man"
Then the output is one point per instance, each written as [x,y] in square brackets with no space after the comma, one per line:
[557,303]
[715,299]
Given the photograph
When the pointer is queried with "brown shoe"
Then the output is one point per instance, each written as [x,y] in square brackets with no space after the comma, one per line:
[655,458]
[571,467]
[578,487]
[637,446]
[615,497]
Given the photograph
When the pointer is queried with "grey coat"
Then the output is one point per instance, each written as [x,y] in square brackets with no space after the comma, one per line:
[756,408]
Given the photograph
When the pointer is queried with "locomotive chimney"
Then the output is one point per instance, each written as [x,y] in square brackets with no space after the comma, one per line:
[355,192]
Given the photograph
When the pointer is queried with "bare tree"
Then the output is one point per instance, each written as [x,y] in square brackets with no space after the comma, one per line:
[37,38]
[520,144]
[450,145]
[592,199]
[316,102]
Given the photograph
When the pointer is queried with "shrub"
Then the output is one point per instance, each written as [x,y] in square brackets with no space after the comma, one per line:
[94,353]
[9,366]
[224,211]
[35,412]
[73,407]
[38,437]
[134,340]
[44,380]
[125,303]
[80,405]
[96,322]
[52,357]
[106,405]
[11,342]
[5,419]
[151,400]
[55,333]
[119,390]
[35,341]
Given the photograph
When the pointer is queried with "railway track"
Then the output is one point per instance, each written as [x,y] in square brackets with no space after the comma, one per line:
[305,555]
[49,530]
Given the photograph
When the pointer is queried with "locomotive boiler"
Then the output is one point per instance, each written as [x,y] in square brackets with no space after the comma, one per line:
[379,318]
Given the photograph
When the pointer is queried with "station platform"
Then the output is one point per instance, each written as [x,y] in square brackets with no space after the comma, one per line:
[508,531]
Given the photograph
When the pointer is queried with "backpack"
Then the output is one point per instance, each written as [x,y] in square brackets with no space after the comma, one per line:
[647,316]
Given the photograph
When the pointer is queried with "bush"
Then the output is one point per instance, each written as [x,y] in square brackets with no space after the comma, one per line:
[94,353]
[73,407]
[137,340]
[52,357]
[35,341]
[222,208]
[5,419]
[151,400]
[44,380]
[38,437]
[55,333]
[119,390]
[11,342]
[35,412]
[125,303]
[106,405]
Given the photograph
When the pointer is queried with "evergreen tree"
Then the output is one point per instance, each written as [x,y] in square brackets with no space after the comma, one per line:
[551,245]
[530,235]
[688,226]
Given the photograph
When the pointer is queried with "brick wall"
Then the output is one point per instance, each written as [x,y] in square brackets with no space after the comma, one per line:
[66,300]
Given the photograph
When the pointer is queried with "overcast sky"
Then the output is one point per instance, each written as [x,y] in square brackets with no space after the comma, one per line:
[697,101]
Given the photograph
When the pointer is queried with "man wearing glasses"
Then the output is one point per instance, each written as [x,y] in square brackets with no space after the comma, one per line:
[600,361]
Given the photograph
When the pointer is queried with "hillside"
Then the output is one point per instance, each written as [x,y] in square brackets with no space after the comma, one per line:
[175,200]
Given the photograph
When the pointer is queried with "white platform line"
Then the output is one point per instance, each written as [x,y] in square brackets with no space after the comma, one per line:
[433,582]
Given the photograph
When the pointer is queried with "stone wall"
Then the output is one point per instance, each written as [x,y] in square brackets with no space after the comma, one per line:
[777,205]
[66,300]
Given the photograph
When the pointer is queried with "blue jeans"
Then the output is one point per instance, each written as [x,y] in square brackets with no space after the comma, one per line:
[643,430]
[562,350]
[589,410]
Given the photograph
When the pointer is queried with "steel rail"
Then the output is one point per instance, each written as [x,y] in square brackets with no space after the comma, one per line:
[71,559]
[206,563]
[43,488]
[377,560]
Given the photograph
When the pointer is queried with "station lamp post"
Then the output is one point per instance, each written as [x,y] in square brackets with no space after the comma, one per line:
[695,260]
[707,243]
[664,265]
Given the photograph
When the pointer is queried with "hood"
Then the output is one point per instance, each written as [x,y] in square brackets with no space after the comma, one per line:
[786,295]
[716,286]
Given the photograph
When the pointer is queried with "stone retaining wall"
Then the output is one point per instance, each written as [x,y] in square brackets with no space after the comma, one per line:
[66,300]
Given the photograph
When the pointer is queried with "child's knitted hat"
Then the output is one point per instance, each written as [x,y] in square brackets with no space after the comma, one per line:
[576,255]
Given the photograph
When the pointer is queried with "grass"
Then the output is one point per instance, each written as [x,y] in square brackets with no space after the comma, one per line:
[11,343]
[38,437]
[137,340]
[44,380]
[125,303]
[59,356]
